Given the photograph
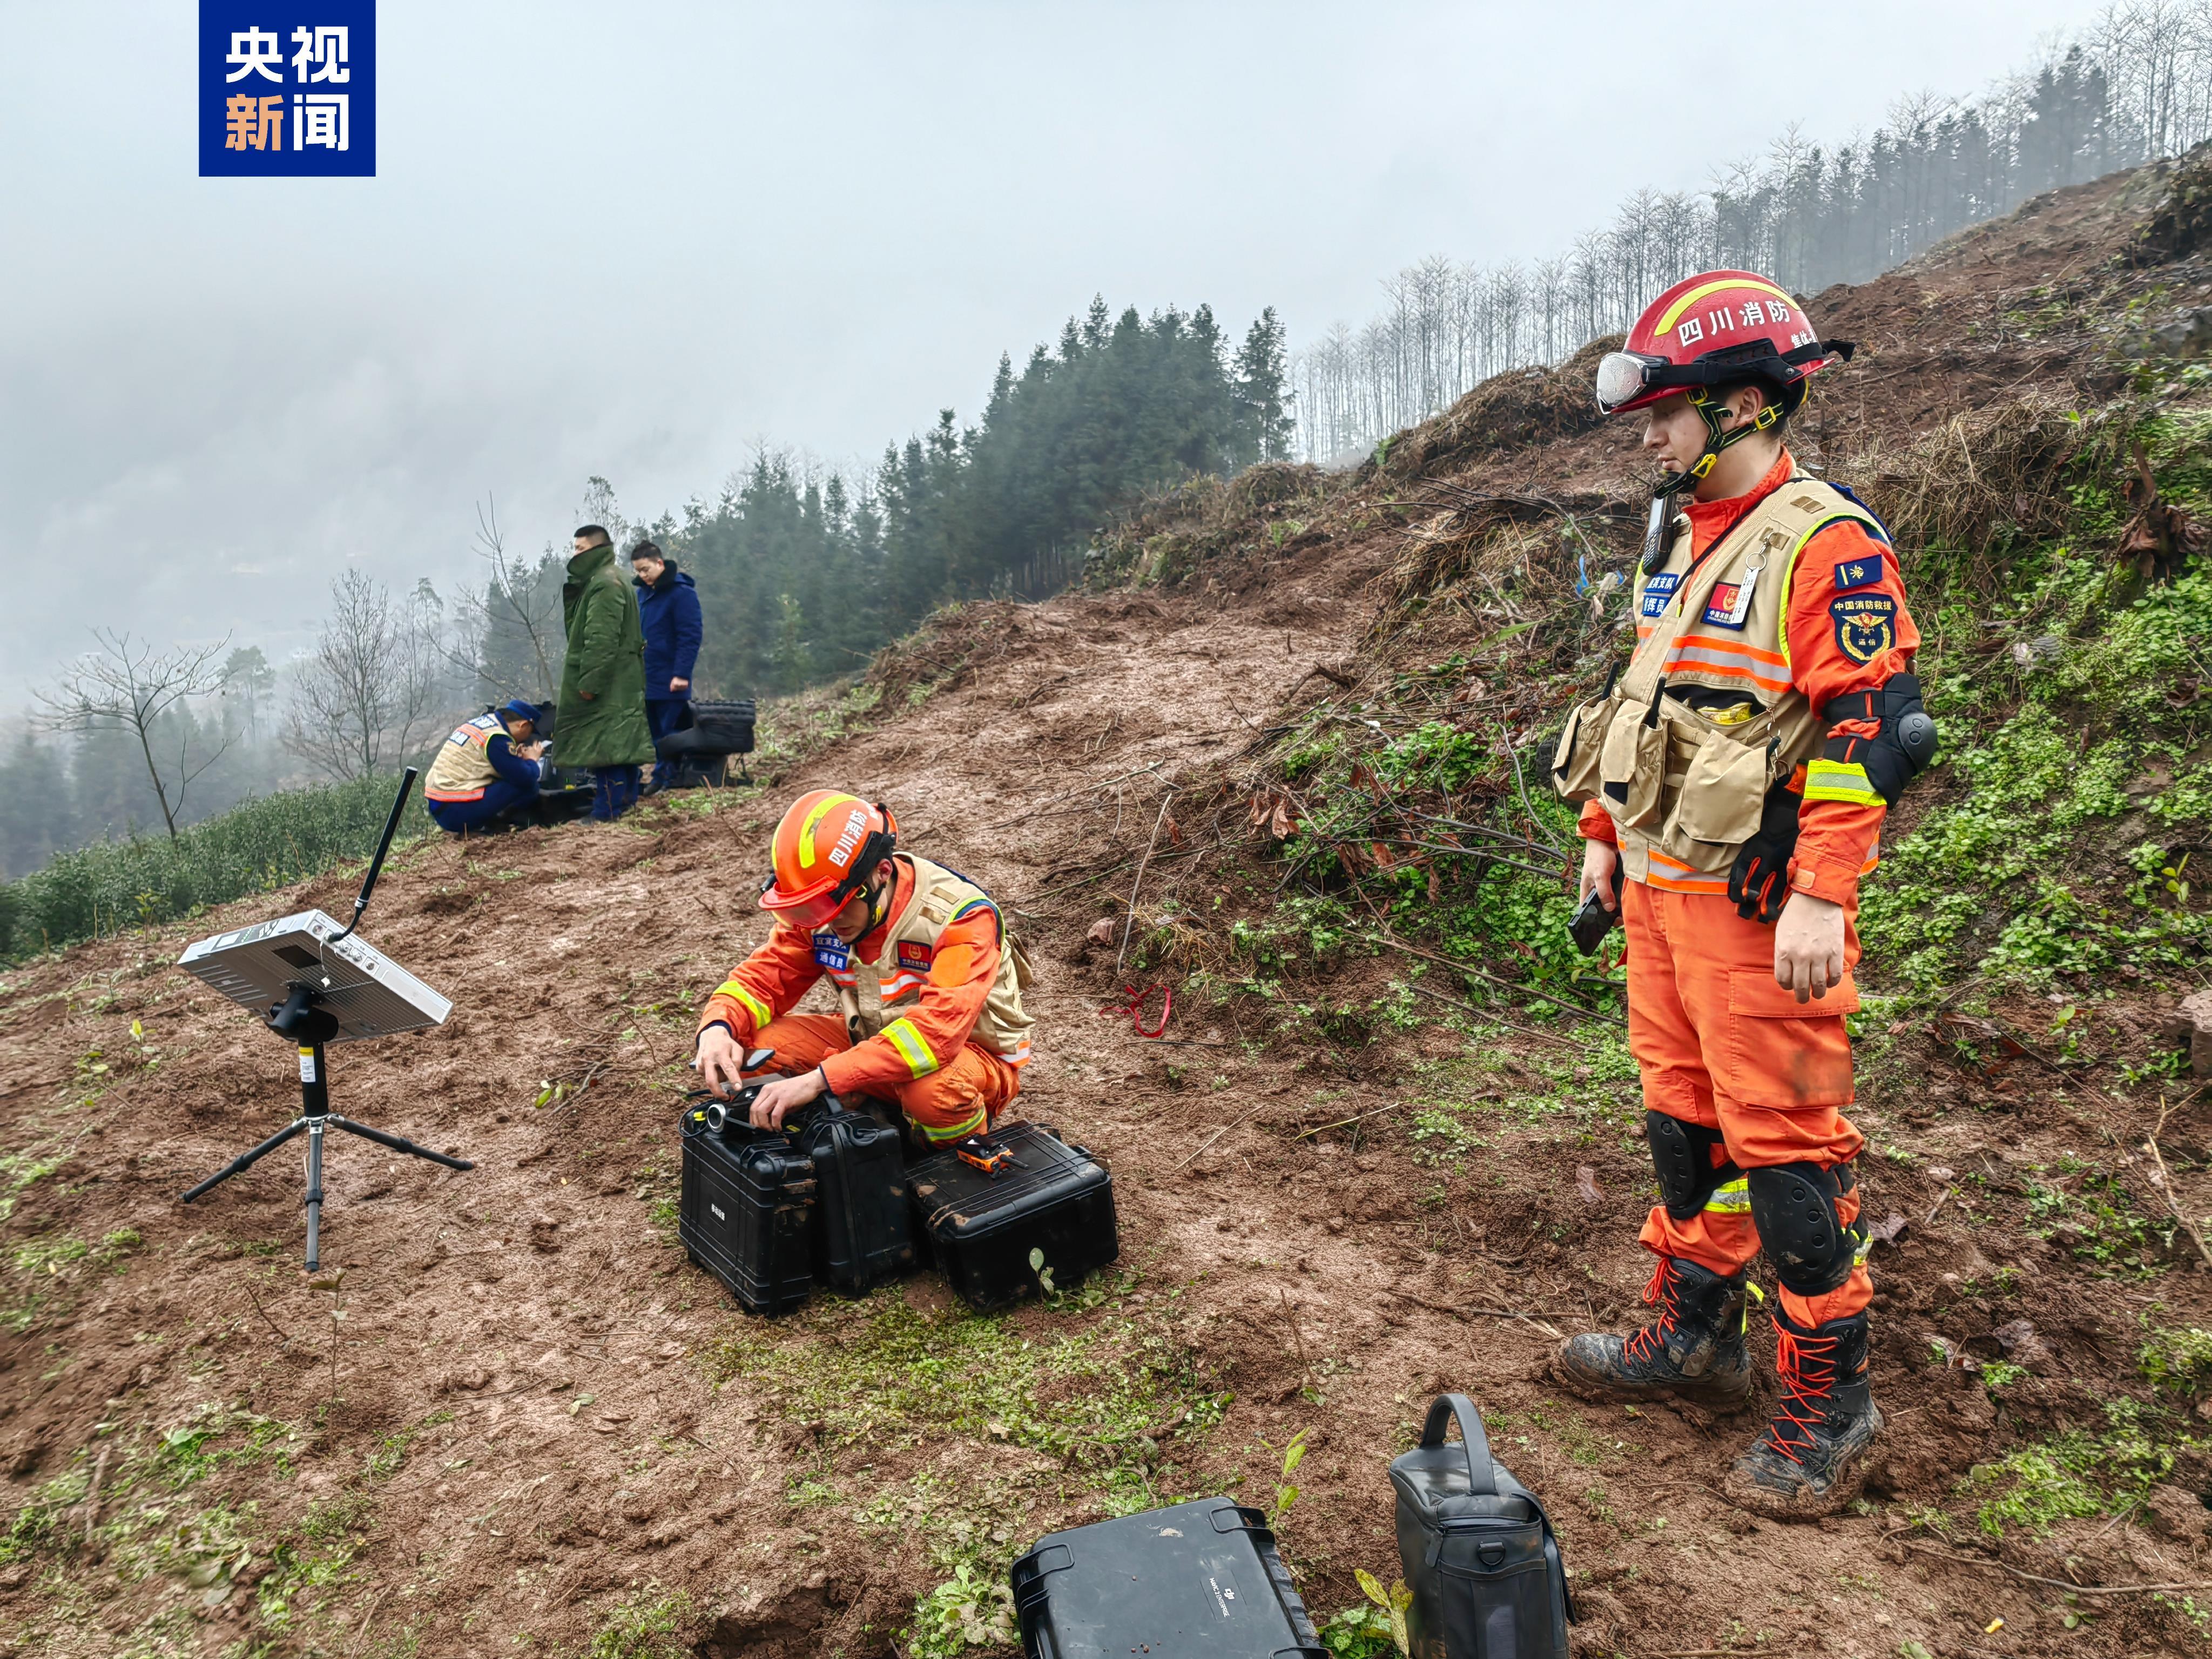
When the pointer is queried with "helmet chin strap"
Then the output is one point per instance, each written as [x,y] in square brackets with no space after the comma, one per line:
[879,903]
[1717,438]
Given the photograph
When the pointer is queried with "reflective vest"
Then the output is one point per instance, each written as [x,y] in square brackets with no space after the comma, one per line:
[463,768]
[872,992]
[1706,717]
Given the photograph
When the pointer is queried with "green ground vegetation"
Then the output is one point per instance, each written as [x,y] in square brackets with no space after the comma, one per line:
[115,885]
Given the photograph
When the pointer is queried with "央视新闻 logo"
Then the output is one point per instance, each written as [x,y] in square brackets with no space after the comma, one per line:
[288,89]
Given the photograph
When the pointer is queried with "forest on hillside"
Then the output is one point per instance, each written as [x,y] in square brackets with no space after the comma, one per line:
[803,572]
[2136,85]
[801,575]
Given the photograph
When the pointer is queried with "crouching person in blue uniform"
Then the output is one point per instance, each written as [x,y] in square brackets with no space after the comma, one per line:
[486,775]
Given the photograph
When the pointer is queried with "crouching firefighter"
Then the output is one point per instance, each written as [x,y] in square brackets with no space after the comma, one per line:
[928,979]
[1735,773]
[486,775]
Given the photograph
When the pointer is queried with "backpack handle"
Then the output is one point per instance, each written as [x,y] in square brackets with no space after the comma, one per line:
[1446,1407]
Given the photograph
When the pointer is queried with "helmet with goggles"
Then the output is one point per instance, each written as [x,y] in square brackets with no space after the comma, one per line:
[1719,329]
[826,847]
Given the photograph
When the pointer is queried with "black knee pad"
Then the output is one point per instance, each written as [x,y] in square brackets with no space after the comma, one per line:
[1682,1153]
[1794,1207]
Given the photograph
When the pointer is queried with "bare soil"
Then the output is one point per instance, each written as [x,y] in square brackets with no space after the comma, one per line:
[534,1413]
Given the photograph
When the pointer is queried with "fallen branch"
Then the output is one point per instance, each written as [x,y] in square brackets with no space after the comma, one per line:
[1209,1145]
[1397,944]
[1129,921]
[1489,1313]
[265,1319]
[1346,1122]
[1485,1013]
[2037,1578]
[2165,1185]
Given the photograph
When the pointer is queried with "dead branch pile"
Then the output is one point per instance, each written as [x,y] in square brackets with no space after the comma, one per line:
[1982,479]
[1514,411]
[1167,537]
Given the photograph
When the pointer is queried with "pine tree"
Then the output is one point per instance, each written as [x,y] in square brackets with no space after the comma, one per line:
[1265,429]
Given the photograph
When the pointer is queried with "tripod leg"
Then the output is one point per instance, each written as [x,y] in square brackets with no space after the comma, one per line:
[397,1143]
[247,1160]
[314,1195]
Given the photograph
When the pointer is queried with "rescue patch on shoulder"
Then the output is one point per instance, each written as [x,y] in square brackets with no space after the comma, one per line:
[912,953]
[1660,589]
[1857,573]
[1866,625]
[832,952]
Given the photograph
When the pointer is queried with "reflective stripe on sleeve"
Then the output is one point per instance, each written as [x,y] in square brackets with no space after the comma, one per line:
[908,1040]
[1844,781]
[745,999]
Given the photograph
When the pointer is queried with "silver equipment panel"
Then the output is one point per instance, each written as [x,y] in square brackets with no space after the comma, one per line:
[370,995]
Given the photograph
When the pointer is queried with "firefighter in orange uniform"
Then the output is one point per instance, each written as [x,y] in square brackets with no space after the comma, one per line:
[928,980]
[1734,776]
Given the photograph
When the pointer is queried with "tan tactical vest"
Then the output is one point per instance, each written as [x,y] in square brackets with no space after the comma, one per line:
[1706,715]
[869,991]
[463,768]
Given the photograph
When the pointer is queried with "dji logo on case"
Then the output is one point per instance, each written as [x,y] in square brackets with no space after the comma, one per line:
[717,1209]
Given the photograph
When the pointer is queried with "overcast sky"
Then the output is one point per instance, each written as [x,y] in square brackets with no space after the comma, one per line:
[637,241]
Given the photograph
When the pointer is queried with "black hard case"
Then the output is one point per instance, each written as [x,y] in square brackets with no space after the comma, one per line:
[744,1212]
[1198,1581]
[863,1229]
[1477,1548]
[1056,1199]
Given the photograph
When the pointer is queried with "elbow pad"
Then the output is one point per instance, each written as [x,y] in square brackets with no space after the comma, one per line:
[1865,770]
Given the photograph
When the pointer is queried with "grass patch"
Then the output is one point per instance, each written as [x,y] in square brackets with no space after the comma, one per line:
[146,880]
[646,1623]
[884,1374]
[2074,1476]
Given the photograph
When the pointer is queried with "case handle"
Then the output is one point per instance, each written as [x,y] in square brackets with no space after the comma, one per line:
[1038,1561]
[1445,1407]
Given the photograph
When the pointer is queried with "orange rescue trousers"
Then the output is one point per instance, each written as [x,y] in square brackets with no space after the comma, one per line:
[961,1096]
[1721,1044]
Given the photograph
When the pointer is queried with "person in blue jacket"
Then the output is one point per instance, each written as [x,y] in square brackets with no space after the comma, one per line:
[486,775]
[668,609]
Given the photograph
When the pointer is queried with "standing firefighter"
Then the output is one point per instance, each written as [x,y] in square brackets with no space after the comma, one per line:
[1736,774]
[903,940]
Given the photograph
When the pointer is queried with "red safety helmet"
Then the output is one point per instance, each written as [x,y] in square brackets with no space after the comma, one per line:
[1720,328]
[826,847]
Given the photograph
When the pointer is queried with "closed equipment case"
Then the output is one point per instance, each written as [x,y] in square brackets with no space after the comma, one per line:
[1198,1581]
[744,1212]
[1050,1198]
[863,1232]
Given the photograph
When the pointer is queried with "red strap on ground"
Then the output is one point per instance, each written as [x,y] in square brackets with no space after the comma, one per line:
[1134,1007]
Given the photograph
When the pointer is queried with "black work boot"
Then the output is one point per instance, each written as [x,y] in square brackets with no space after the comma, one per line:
[1811,1460]
[1694,1350]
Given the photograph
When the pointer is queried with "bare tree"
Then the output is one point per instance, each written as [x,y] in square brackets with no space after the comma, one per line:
[127,686]
[375,687]
[517,612]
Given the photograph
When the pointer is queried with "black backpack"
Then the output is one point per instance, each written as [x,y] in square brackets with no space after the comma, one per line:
[1477,1548]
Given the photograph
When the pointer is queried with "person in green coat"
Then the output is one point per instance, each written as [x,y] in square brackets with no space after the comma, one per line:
[601,725]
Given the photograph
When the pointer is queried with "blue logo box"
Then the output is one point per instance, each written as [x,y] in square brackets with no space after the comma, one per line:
[288,89]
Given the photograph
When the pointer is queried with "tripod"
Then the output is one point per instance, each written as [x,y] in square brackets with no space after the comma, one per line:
[298,1019]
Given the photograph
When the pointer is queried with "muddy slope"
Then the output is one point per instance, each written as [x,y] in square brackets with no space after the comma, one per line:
[519,1422]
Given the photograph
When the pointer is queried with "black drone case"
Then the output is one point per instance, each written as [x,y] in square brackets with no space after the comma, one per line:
[745,1213]
[1477,1549]
[1053,1198]
[1198,1581]
[863,1232]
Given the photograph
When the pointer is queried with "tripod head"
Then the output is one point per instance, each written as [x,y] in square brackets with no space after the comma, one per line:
[376,864]
[298,1017]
